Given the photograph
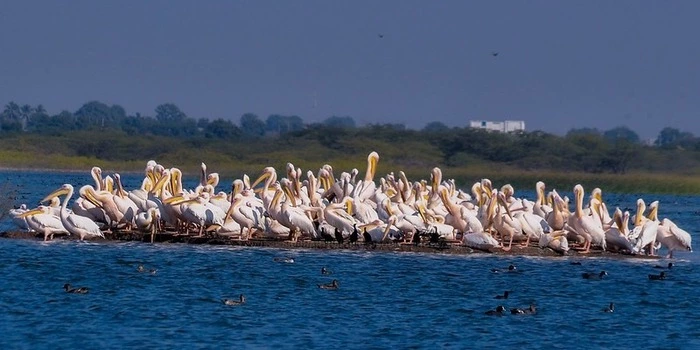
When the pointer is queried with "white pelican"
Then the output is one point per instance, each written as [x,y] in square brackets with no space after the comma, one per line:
[125,204]
[298,220]
[505,223]
[220,199]
[453,209]
[645,230]
[246,217]
[669,234]
[533,225]
[140,195]
[616,235]
[148,221]
[17,219]
[378,230]
[230,228]
[96,173]
[559,215]
[673,237]
[41,220]
[269,175]
[435,180]
[597,193]
[77,225]
[480,240]
[541,208]
[274,229]
[84,207]
[301,194]
[366,187]
[408,224]
[337,216]
[105,201]
[313,189]
[556,241]
[203,213]
[588,226]
[361,210]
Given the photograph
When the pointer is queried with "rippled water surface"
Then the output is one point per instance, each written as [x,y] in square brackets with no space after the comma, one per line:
[385,300]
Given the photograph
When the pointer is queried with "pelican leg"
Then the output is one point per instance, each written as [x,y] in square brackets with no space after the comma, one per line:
[510,244]
[586,247]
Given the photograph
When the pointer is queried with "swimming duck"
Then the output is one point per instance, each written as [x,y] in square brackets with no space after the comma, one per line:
[80,290]
[330,286]
[593,275]
[661,276]
[141,268]
[325,271]
[500,309]
[669,266]
[529,311]
[511,268]
[285,260]
[233,302]
[610,308]
[504,296]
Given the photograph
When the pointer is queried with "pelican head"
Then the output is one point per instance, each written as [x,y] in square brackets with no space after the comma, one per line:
[508,190]
[486,186]
[88,192]
[291,171]
[435,178]
[65,189]
[267,173]
[641,207]
[372,161]
[653,211]
[38,210]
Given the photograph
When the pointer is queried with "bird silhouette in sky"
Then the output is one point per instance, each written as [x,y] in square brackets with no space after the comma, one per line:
[494,53]
[380,35]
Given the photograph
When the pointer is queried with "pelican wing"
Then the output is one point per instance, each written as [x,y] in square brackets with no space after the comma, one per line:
[48,221]
[479,240]
[680,234]
[84,223]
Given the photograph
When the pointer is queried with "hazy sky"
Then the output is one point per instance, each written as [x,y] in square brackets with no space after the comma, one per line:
[560,64]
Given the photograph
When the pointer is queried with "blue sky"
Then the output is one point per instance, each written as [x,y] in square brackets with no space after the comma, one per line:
[560,64]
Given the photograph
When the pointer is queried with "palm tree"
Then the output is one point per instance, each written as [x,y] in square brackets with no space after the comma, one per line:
[40,109]
[12,111]
[25,112]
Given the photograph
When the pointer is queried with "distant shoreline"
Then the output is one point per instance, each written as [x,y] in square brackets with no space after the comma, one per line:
[55,170]
[668,184]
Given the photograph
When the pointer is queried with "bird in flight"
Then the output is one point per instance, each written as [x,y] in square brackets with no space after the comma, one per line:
[494,53]
[380,35]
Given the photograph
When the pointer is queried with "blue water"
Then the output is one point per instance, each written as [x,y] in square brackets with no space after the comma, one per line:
[385,300]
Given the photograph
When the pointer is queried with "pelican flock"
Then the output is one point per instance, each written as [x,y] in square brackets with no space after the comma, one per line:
[326,206]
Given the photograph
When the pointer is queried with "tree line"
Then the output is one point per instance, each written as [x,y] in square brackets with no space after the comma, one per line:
[168,120]
[618,150]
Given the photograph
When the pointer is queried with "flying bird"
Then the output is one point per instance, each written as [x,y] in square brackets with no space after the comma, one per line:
[494,53]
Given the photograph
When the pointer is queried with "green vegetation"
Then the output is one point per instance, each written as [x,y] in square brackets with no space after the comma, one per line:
[102,135]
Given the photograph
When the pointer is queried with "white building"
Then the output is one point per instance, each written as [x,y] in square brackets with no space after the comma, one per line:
[504,126]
